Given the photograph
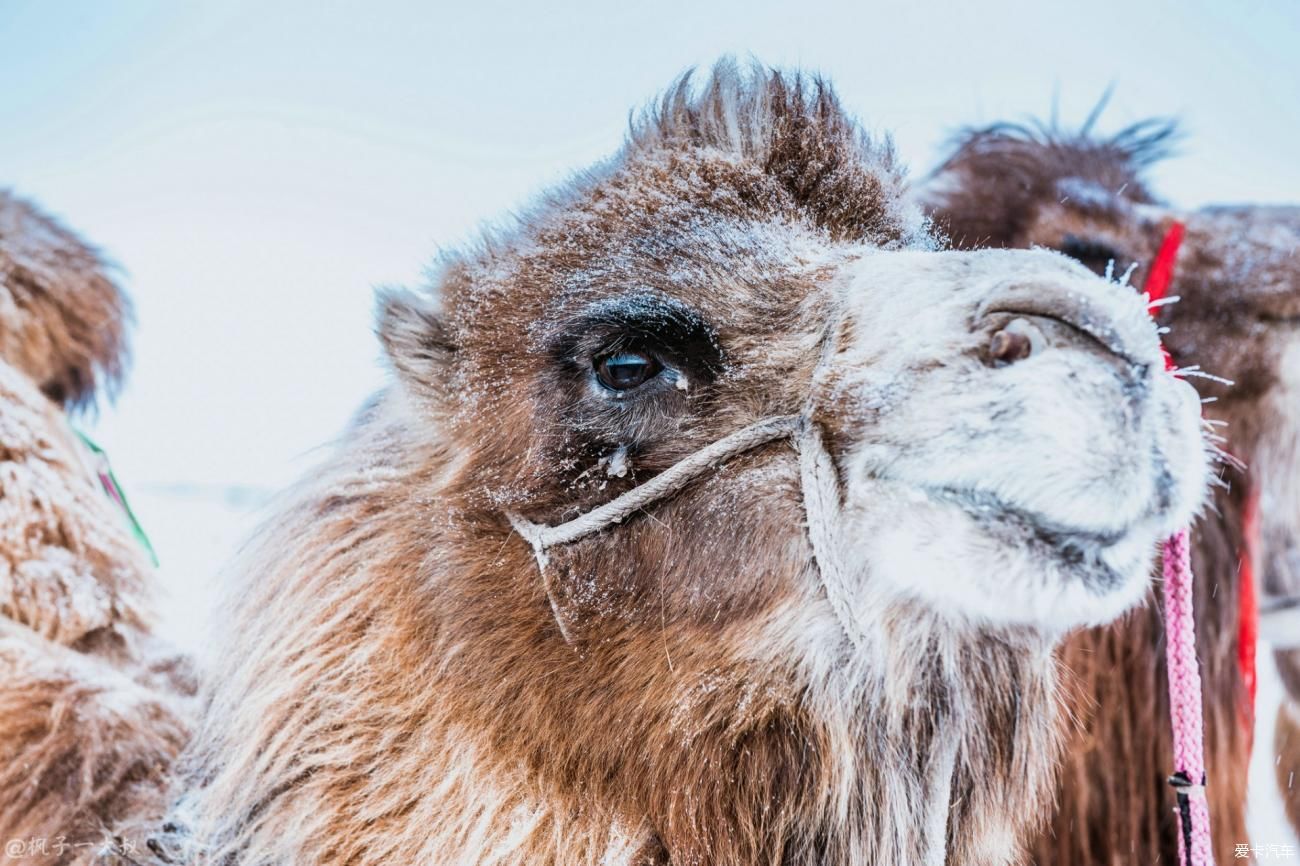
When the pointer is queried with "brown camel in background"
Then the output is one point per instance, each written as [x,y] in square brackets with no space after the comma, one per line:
[92,709]
[1238,277]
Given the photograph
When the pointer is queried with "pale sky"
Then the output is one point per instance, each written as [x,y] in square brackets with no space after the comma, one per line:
[257,168]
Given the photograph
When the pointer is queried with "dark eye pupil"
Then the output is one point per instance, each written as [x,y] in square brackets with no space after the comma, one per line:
[626,370]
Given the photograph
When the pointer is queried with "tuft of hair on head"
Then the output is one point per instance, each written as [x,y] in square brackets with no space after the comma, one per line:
[64,321]
[988,188]
[793,126]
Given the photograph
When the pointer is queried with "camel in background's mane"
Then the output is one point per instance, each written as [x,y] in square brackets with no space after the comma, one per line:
[63,322]
[91,707]
[1014,186]
[1013,169]
[836,656]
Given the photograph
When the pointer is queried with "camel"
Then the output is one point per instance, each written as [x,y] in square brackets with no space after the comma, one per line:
[93,709]
[714,516]
[1014,186]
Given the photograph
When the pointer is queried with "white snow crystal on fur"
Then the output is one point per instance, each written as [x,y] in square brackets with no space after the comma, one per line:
[618,463]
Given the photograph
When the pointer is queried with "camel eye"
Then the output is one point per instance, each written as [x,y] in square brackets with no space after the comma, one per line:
[623,371]
[1092,254]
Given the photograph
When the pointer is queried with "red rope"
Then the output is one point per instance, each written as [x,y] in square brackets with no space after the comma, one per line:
[1248,606]
[1162,273]
[1162,269]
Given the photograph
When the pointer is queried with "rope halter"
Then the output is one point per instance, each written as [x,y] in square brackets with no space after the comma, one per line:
[821,502]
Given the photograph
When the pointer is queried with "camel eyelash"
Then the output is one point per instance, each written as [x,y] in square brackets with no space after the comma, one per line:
[675,335]
[1088,252]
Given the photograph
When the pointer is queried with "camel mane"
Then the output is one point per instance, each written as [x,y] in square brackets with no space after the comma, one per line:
[995,176]
[848,181]
[63,320]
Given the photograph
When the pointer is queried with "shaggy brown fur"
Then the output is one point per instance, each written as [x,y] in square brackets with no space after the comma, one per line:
[91,708]
[63,322]
[394,687]
[1014,186]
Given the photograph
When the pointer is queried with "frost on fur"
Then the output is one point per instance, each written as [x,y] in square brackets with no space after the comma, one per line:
[402,682]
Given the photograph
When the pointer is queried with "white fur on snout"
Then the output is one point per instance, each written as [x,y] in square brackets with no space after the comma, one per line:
[938,554]
[1051,435]
[1032,493]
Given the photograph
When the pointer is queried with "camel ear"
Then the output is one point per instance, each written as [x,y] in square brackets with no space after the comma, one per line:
[417,342]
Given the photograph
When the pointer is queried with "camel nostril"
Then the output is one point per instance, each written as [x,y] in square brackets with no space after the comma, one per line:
[1007,347]
[1015,342]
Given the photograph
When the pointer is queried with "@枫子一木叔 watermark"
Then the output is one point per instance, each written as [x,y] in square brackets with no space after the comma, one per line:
[57,846]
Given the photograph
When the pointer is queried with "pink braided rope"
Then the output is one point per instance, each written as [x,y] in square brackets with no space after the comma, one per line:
[1185,702]
[1180,636]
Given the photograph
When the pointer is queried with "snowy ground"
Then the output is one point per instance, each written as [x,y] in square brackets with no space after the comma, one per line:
[1268,824]
[197,528]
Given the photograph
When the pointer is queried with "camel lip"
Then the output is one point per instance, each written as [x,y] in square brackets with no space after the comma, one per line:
[1084,551]
[986,507]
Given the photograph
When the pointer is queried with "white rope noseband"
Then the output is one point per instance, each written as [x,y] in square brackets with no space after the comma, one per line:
[821,501]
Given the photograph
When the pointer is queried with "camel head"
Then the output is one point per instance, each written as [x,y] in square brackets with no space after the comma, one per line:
[1012,186]
[63,321]
[1237,279]
[1007,446]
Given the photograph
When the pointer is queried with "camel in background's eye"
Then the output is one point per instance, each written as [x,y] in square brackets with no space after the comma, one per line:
[1238,277]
